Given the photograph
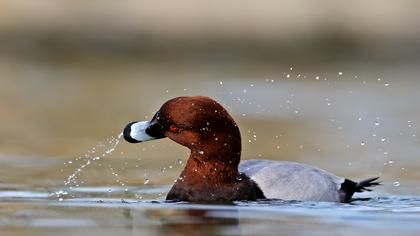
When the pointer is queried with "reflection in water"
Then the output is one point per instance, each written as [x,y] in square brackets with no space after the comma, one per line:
[182,221]
[197,221]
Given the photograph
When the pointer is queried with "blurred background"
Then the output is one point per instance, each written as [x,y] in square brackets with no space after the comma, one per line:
[332,83]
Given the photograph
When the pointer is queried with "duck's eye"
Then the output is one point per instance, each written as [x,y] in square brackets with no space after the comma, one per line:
[174,129]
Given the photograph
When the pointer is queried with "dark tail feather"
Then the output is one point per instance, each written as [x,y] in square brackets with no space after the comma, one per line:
[349,187]
[365,184]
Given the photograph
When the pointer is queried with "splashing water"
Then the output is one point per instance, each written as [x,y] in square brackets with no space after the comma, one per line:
[88,159]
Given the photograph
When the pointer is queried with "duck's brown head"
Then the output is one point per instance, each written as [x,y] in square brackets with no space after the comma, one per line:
[198,122]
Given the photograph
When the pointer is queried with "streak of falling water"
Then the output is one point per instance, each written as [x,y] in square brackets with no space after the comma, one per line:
[88,159]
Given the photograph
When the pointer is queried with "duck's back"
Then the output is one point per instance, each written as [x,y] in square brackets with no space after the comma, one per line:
[293,181]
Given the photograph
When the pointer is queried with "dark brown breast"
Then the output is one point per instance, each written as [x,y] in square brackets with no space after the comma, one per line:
[242,189]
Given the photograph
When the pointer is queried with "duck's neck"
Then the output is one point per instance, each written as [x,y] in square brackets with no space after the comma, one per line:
[211,173]
[201,170]
[216,161]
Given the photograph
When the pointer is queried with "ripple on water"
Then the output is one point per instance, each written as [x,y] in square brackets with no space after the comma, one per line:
[35,209]
[389,203]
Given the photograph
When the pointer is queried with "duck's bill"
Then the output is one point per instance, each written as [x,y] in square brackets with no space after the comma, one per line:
[141,131]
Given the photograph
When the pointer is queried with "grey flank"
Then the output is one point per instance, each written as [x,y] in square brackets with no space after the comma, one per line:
[293,181]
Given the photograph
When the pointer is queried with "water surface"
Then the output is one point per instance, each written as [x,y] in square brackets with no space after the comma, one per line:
[95,210]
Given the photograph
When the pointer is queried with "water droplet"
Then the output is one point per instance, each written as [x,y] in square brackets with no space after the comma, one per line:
[363,143]
[180,161]
[340,73]
[146,181]
[386,85]
[396,183]
[377,123]
[360,118]
[201,152]
[60,199]
[221,82]
[383,139]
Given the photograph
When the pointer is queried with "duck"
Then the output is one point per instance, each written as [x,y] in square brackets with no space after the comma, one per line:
[214,171]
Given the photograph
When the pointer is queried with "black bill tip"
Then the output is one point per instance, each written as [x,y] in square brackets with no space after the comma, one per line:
[127,133]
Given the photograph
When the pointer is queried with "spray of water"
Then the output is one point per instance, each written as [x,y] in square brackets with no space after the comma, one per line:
[89,158]
[72,179]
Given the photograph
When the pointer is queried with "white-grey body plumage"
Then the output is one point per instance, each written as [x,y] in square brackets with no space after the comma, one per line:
[294,181]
